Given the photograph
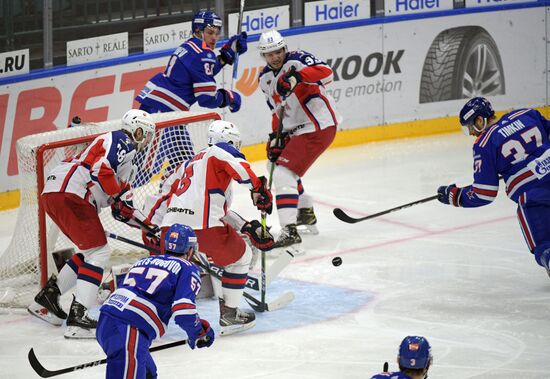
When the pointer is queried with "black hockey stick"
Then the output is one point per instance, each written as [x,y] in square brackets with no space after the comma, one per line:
[341,215]
[386,367]
[251,282]
[45,373]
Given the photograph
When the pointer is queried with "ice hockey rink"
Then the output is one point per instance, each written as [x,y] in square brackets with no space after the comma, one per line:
[463,278]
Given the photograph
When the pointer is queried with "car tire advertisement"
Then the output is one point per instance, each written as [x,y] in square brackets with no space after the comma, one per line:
[413,68]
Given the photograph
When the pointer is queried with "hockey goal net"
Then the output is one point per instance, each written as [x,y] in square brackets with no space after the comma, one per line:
[27,262]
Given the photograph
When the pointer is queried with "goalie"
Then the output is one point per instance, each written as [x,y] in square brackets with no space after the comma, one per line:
[75,192]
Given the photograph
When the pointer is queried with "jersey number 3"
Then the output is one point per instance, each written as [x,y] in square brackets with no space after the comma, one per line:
[516,148]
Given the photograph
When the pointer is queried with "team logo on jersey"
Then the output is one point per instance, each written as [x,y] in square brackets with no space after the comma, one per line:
[174,235]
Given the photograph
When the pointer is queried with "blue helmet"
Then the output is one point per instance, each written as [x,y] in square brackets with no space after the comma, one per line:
[415,352]
[477,106]
[202,19]
[179,239]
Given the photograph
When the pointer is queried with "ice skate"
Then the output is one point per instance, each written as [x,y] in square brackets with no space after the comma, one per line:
[79,324]
[234,320]
[308,221]
[289,236]
[46,303]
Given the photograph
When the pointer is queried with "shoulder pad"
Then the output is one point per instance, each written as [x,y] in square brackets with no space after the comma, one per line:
[265,70]
[228,148]
[118,136]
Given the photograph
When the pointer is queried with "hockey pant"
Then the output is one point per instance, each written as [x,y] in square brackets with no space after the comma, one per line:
[79,221]
[127,350]
[224,246]
[533,215]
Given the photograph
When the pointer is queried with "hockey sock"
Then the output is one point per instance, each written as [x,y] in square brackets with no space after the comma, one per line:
[234,279]
[304,200]
[68,274]
[287,195]
[87,284]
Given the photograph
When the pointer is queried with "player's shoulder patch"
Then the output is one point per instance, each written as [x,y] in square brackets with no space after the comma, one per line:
[122,139]
[230,149]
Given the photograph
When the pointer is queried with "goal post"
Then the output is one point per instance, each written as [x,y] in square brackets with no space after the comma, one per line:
[27,263]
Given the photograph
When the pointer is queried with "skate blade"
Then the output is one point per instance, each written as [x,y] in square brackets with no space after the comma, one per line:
[43,313]
[308,230]
[296,250]
[233,329]
[76,332]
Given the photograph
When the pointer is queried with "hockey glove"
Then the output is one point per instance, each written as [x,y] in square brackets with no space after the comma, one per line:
[449,194]
[230,99]
[236,45]
[287,82]
[205,337]
[122,211]
[275,147]
[262,197]
[260,238]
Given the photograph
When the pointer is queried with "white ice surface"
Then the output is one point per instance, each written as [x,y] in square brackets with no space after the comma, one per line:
[461,277]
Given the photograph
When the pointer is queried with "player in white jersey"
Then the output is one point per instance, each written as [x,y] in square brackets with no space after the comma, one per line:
[202,200]
[75,192]
[296,79]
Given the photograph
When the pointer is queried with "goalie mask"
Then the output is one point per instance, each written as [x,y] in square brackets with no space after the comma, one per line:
[181,240]
[224,131]
[415,353]
[140,126]
[478,106]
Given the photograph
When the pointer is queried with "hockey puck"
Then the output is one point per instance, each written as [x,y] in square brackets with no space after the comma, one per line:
[336,261]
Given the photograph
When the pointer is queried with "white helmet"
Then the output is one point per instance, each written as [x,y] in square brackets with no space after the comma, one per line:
[271,41]
[136,119]
[224,131]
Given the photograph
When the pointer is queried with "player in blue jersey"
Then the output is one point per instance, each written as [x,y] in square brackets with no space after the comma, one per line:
[189,79]
[414,360]
[515,147]
[154,290]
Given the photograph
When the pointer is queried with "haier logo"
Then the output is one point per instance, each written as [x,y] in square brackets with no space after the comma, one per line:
[261,20]
[412,6]
[254,24]
[324,12]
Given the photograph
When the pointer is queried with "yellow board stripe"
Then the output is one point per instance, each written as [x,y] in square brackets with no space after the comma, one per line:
[419,128]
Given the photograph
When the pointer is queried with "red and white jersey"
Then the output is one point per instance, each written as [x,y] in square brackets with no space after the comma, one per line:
[98,173]
[203,194]
[154,207]
[309,107]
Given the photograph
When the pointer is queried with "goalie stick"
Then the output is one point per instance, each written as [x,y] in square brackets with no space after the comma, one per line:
[251,282]
[45,373]
[341,215]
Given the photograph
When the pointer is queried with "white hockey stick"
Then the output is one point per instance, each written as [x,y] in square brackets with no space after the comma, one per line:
[239,30]
[274,270]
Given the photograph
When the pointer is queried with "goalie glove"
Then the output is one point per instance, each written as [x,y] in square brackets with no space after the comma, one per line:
[260,238]
[275,147]
[261,196]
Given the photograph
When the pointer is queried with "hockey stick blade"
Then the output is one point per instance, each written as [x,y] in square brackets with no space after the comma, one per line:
[342,216]
[45,373]
[280,302]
